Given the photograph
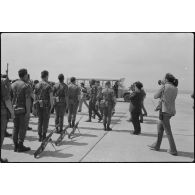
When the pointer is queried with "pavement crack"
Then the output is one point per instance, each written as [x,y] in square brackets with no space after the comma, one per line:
[98,142]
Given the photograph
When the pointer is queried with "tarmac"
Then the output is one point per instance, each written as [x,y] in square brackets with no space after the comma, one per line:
[93,144]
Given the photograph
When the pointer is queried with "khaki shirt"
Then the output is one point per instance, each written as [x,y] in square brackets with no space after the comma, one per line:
[5,92]
[73,93]
[108,96]
[20,93]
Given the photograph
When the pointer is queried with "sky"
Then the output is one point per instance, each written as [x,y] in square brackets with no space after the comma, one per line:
[144,57]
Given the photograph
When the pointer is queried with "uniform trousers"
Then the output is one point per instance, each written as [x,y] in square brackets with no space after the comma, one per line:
[107,114]
[43,119]
[72,111]
[92,107]
[4,121]
[19,131]
[60,109]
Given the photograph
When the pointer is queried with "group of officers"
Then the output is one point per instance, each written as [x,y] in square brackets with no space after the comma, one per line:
[21,97]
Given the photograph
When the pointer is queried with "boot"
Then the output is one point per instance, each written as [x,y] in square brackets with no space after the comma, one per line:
[40,138]
[108,128]
[15,147]
[89,120]
[69,124]
[100,119]
[7,134]
[44,136]
[105,128]
[22,148]
[4,160]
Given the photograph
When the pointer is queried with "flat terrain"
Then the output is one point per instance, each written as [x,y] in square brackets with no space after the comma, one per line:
[96,145]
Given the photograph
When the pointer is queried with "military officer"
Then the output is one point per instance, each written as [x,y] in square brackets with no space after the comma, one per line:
[6,108]
[60,93]
[107,103]
[73,101]
[44,101]
[93,100]
[20,104]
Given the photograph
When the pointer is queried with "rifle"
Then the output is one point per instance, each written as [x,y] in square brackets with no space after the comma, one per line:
[44,144]
[62,135]
[75,128]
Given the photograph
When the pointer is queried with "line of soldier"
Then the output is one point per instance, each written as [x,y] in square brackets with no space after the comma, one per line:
[16,103]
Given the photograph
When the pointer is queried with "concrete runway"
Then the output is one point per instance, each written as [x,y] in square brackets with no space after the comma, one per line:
[96,145]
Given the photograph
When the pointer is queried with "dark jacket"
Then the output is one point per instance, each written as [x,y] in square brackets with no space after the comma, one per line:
[136,99]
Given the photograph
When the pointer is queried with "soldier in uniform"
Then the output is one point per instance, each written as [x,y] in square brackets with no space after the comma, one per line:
[83,97]
[20,96]
[60,93]
[6,108]
[44,101]
[73,101]
[93,100]
[29,102]
[98,107]
[107,103]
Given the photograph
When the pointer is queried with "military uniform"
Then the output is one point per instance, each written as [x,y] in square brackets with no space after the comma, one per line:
[83,99]
[107,103]
[73,103]
[93,93]
[42,98]
[98,107]
[20,94]
[29,103]
[60,93]
[5,95]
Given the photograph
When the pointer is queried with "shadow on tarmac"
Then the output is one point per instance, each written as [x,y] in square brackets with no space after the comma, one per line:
[150,121]
[55,154]
[181,153]
[8,147]
[73,143]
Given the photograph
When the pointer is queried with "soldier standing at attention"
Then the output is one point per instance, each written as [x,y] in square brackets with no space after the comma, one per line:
[73,101]
[92,101]
[107,103]
[6,108]
[21,109]
[60,93]
[44,99]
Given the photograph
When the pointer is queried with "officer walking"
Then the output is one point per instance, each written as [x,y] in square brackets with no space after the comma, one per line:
[60,93]
[107,103]
[21,108]
[44,100]
[93,100]
[6,108]
[73,101]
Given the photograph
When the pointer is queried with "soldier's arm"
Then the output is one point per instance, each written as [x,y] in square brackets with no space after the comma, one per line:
[51,99]
[28,100]
[79,94]
[66,96]
[9,106]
